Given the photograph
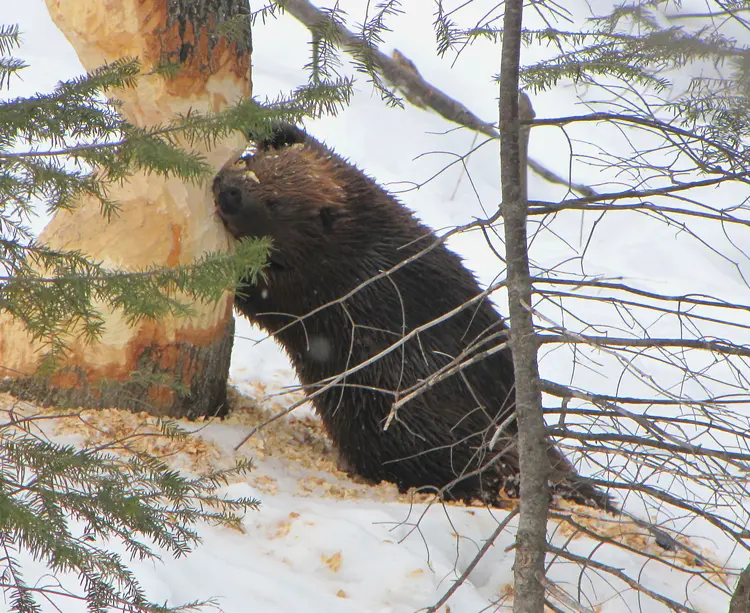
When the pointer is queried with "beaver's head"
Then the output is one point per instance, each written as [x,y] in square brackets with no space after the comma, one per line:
[291,190]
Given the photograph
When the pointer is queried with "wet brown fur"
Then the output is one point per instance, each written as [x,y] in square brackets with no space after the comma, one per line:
[334,228]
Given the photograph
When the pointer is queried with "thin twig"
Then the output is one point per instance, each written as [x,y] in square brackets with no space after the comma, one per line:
[583,561]
[472,565]
[722,347]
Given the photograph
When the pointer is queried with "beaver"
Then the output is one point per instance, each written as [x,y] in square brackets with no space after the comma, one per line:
[350,274]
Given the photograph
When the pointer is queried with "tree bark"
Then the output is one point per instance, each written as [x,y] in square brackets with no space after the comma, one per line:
[531,540]
[162,221]
[740,602]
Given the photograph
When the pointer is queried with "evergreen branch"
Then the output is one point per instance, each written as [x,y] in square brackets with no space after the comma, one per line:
[447,34]
[546,75]
[45,486]
[270,11]
[60,504]
[632,58]
[54,307]
[72,109]
[324,62]
[10,38]
[144,147]
[364,56]
[9,67]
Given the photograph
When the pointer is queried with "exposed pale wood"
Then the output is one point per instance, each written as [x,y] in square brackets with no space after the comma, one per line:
[164,222]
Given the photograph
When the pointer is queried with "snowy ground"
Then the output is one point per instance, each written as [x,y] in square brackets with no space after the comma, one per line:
[312,547]
[322,542]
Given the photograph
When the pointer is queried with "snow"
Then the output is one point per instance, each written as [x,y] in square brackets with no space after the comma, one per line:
[311,548]
[312,552]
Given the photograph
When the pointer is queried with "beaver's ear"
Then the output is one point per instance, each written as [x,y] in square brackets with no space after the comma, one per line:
[277,136]
[327,217]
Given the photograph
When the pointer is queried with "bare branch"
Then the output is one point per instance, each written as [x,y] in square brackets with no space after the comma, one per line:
[549,207]
[472,565]
[688,299]
[616,572]
[722,347]
[402,74]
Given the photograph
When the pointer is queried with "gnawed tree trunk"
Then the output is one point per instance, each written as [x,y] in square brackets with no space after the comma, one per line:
[161,222]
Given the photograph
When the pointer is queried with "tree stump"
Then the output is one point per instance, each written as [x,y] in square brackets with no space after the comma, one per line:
[162,221]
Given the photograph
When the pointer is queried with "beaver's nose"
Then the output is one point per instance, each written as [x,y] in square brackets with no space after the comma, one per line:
[229,200]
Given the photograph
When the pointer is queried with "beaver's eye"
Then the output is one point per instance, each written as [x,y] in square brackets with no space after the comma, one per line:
[271,204]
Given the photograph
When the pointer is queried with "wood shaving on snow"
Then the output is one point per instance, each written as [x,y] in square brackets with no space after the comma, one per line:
[300,443]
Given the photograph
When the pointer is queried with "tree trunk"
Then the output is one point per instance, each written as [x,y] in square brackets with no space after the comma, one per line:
[740,602]
[162,221]
[531,539]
